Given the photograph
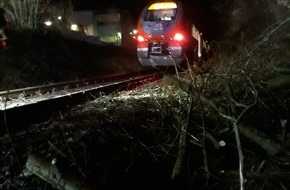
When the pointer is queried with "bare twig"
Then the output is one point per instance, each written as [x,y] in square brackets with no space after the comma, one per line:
[177,170]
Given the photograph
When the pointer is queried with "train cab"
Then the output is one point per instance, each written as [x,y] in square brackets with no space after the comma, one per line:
[164,35]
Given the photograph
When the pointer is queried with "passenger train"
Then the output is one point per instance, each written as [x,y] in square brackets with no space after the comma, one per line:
[166,36]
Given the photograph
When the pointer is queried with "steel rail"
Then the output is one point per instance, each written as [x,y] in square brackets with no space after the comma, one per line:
[7,94]
[32,95]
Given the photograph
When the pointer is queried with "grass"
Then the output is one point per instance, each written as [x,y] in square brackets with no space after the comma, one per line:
[45,56]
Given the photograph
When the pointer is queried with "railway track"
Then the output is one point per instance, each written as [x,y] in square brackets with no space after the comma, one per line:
[17,105]
[30,95]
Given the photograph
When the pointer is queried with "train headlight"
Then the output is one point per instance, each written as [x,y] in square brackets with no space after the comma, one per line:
[178,37]
[140,38]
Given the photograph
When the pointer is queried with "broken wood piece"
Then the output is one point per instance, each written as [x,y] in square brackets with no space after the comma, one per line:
[51,173]
[260,139]
[273,176]
[271,146]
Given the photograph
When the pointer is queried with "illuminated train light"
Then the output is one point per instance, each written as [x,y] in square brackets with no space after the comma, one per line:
[178,37]
[140,38]
[163,5]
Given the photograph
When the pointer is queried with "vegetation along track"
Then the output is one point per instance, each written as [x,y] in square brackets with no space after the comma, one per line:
[18,103]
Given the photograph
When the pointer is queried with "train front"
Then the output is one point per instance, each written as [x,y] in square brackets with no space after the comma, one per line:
[161,35]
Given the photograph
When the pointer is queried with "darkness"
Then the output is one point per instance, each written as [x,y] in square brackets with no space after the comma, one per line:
[199,10]
[133,6]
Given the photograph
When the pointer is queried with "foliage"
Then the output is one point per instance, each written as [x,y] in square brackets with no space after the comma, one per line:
[24,13]
[240,19]
[30,14]
[64,9]
[235,89]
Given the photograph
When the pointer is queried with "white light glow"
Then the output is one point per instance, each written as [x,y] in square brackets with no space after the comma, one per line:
[74,27]
[48,23]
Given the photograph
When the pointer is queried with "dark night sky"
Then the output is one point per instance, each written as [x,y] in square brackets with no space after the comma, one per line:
[200,11]
[123,4]
[135,6]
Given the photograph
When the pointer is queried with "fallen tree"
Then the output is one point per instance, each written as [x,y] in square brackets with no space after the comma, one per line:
[59,177]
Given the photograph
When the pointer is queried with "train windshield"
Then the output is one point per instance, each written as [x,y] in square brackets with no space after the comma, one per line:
[160,14]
